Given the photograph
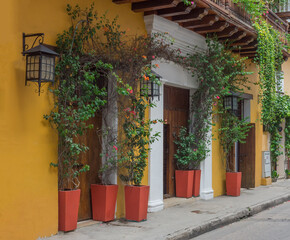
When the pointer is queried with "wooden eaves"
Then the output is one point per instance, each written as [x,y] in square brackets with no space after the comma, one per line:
[222,18]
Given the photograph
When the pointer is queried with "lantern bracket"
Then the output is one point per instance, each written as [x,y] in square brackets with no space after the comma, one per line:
[37,36]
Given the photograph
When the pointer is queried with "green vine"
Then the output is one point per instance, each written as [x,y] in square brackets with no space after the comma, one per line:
[137,129]
[102,66]
[269,58]
[232,130]
[219,73]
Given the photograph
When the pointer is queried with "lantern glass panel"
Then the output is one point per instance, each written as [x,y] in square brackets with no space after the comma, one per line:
[228,102]
[32,72]
[149,88]
[235,103]
[144,87]
[47,68]
[156,89]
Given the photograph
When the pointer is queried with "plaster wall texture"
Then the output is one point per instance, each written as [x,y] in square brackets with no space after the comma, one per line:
[29,198]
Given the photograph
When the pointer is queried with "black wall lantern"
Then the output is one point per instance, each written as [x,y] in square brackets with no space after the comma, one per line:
[231,104]
[151,88]
[40,61]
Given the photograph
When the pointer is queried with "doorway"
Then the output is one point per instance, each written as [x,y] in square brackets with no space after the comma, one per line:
[247,156]
[93,159]
[176,114]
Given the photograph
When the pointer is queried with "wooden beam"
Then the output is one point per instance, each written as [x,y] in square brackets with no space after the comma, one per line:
[250,50]
[174,11]
[243,41]
[206,21]
[253,44]
[227,32]
[153,5]
[217,27]
[196,14]
[249,55]
[235,37]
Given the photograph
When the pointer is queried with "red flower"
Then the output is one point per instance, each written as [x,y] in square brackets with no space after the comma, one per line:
[115,148]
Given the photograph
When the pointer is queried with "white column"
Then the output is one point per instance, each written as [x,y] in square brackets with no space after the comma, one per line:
[206,191]
[156,159]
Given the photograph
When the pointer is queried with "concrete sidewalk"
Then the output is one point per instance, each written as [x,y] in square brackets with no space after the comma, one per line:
[186,218]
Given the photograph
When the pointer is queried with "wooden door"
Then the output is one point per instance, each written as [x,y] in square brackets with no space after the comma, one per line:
[246,158]
[93,159]
[176,112]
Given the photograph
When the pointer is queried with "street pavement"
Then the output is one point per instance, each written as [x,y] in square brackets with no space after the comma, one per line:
[186,218]
[270,224]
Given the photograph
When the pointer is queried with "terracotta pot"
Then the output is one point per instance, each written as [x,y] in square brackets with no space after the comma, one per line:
[196,183]
[104,199]
[68,208]
[136,202]
[233,183]
[184,183]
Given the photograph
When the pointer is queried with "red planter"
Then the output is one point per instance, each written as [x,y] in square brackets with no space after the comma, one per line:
[233,183]
[104,199]
[196,183]
[136,202]
[184,183]
[68,208]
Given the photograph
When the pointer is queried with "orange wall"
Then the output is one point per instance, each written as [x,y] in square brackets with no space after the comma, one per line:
[28,201]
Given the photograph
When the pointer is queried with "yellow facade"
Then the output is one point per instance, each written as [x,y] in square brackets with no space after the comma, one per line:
[286,70]
[29,200]
[262,138]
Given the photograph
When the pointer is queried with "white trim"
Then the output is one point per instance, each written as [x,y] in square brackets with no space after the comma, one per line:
[155,206]
[184,39]
[206,191]
[174,75]
[156,159]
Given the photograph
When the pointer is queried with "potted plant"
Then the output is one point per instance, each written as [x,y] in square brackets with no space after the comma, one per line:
[188,156]
[274,175]
[104,195]
[135,148]
[77,99]
[232,130]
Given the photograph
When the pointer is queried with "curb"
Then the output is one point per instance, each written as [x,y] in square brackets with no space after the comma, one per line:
[215,223]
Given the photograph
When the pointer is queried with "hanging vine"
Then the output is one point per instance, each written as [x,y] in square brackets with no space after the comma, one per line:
[218,72]
[269,58]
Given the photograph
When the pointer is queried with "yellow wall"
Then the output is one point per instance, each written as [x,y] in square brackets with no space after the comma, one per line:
[218,170]
[286,69]
[28,201]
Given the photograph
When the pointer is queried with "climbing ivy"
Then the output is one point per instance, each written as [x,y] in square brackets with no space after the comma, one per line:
[269,59]
[219,73]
